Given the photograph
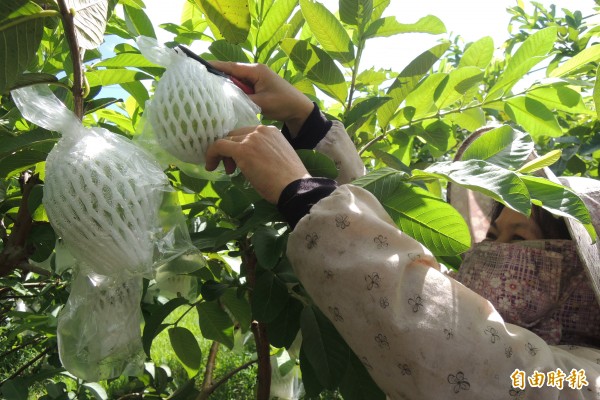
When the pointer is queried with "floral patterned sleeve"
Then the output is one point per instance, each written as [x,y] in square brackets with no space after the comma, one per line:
[421,334]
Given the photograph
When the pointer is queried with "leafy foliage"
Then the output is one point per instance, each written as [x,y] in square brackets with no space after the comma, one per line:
[407,126]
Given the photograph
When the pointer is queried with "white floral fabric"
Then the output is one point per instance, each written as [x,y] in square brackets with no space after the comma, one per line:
[420,333]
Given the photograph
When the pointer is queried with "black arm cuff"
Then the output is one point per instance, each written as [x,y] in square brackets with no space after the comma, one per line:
[298,197]
[312,132]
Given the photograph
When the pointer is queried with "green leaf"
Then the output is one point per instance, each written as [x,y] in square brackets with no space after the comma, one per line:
[498,183]
[460,81]
[238,306]
[323,346]
[328,31]
[215,323]
[268,245]
[18,47]
[15,389]
[357,384]
[428,219]
[138,91]
[559,200]
[596,93]
[284,328]
[186,349]
[226,51]
[363,110]
[407,80]
[382,182]
[318,164]
[27,140]
[107,77]
[269,298]
[7,7]
[138,22]
[317,66]
[471,119]
[154,321]
[589,55]
[391,161]
[541,162]
[356,12]
[14,163]
[276,17]
[560,97]
[502,146]
[533,116]
[478,54]
[535,49]
[389,26]
[123,60]
[33,78]
[90,21]
[422,99]
[231,17]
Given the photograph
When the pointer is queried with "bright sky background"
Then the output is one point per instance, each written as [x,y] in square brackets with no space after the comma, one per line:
[471,19]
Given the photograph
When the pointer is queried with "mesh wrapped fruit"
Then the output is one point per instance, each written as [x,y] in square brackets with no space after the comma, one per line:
[102,193]
[191,108]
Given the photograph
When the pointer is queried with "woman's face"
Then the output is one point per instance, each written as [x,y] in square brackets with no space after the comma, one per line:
[511,225]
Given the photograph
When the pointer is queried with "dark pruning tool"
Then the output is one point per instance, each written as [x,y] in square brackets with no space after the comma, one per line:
[244,86]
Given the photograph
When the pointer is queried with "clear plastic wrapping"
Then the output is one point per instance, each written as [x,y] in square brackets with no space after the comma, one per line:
[191,108]
[117,215]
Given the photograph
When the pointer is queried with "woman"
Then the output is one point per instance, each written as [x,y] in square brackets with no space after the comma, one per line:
[420,333]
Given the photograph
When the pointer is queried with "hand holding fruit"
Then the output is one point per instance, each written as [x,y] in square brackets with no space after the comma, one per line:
[263,155]
[276,97]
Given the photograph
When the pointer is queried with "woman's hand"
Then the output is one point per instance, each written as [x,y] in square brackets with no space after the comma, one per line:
[263,155]
[276,97]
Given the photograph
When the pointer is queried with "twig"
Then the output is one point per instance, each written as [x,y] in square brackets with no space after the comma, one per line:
[34,269]
[15,252]
[27,365]
[34,341]
[69,28]
[204,394]
[210,365]
[259,330]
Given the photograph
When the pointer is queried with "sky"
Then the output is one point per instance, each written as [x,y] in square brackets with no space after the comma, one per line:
[471,19]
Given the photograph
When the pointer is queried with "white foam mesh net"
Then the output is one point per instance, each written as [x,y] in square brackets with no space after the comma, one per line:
[102,196]
[190,110]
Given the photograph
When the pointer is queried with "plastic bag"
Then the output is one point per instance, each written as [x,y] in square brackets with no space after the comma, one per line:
[117,215]
[99,328]
[191,108]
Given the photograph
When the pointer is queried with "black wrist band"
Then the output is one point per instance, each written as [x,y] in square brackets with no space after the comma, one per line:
[298,197]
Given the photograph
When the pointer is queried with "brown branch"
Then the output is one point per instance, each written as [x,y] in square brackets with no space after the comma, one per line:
[27,365]
[259,329]
[69,27]
[204,394]
[15,252]
[29,343]
[210,365]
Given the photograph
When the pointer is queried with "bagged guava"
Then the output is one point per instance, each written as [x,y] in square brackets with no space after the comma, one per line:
[99,334]
[191,108]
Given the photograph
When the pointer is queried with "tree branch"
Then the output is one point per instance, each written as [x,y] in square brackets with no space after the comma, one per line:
[259,330]
[15,252]
[27,365]
[204,394]
[70,33]
[210,366]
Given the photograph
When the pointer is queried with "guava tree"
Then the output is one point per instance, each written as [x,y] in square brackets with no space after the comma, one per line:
[406,125]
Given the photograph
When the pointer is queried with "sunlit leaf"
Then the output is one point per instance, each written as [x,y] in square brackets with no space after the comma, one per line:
[356,12]
[407,80]
[226,51]
[559,200]
[503,146]
[498,183]
[560,97]
[90,21]
[277,16]
[533,115]
[317,66]
[107,77]
[231,17]
[328,31]
[478,54]
[389,26]
[460,81]
[534,50]
[541,162]
[586,56]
